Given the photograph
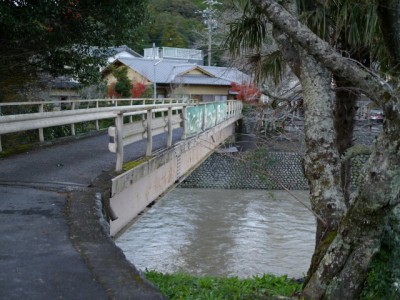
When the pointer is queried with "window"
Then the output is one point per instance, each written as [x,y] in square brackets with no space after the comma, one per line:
[221,98]
[212,98]
[208,98]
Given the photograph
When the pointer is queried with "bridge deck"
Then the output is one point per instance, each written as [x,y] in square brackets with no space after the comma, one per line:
[37,258]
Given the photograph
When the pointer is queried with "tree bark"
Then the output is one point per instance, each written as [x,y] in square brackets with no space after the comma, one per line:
[321,161]
[344,113]
[341,272]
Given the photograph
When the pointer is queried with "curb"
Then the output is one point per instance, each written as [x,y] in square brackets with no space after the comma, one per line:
[109,266]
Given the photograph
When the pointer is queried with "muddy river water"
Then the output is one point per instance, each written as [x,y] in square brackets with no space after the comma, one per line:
[224,233]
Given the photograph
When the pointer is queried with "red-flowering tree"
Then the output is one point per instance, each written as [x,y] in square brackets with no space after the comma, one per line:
[137,89]
[246,91]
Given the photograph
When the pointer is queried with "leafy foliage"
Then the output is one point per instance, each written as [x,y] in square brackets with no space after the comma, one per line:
[123,85]
[383,280]
[351,25]
[171,23]
[137,90]
[183,286]
[67,37]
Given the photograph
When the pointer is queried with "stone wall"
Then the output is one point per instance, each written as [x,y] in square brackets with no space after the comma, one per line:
[228,172]
[281,170]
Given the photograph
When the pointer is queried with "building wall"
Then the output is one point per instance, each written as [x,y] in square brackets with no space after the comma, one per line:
[196,91]
[133,75]
[201,90]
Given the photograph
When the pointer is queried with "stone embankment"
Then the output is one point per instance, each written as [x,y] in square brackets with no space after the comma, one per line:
[281,170]
[280,167]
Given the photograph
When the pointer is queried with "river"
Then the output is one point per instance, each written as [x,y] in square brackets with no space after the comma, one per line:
[223,233]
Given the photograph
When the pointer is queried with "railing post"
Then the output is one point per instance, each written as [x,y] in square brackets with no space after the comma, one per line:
[73,124]
[203,121]
[184,118]
[1,148]
[216,115]
[143,103]
[131,117]
[119,126]
[41,134]
[170,130]
[149,133]
[97,121]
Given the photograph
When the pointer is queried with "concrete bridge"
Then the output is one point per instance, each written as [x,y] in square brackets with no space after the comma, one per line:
[54,241]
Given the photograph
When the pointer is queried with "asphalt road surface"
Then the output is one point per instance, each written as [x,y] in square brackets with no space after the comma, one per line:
[39,258]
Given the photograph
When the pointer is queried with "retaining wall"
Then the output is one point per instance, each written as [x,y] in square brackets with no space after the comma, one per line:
[280,170]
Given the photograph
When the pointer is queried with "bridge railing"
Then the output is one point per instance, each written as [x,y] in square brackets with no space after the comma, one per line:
[20,116]
[193,118]
[161,115]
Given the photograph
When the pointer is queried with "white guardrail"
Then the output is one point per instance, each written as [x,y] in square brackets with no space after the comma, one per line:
[124,134]
[68,112]
[173,115]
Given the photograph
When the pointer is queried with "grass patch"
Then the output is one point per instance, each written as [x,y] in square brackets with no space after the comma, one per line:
[184,286]
[131,164]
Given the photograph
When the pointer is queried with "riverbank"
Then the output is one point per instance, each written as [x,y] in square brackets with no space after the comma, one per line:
[183,286]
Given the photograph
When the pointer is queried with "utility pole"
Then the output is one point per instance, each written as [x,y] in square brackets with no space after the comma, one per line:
[154,73]
[209,19]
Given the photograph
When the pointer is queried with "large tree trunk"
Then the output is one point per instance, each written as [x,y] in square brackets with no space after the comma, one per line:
[321,160]
[344,113]
[341,272]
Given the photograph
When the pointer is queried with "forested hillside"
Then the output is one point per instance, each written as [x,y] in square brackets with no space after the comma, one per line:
[180,23]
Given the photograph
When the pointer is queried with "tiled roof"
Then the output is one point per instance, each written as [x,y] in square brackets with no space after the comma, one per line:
[201,80]
[172,71]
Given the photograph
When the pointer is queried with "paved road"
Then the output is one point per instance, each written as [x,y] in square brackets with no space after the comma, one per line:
[51,243]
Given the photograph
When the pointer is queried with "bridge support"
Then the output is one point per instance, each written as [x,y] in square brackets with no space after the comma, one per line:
[133,190]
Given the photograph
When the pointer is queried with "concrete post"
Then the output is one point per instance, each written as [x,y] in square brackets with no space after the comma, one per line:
[73,125]
[1,148]
[170,131]
[143,103]
[184,125]
[97,121]
[41,135]
[216,115]
[203,121]
[119,126]
[149,135]
[131,117]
